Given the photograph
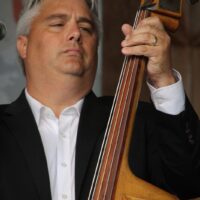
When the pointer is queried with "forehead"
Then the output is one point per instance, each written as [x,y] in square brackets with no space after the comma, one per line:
[78,8]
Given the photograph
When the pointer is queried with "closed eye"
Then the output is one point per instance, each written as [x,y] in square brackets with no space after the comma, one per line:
[57,25]
[86,29]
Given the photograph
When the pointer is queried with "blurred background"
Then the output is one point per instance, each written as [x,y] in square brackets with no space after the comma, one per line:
[11,78]
[185,49]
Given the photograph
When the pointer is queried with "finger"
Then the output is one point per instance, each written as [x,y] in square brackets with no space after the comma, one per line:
[149,32]
[140,39]
[149,29]
[142,50]
[127,30]
[147,36]
[146,47]
[152,21]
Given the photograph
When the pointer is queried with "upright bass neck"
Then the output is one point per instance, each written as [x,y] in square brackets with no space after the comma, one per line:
[113,178]
[169,11]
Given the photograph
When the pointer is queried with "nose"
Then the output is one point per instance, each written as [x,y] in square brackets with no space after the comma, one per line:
[75,36]
[74,33]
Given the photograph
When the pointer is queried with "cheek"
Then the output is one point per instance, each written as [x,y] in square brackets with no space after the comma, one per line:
[92,50]
[42,48]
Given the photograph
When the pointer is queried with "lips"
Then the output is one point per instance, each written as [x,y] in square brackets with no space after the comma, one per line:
[73,52]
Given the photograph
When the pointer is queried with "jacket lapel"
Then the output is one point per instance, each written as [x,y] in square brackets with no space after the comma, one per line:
[19,119]
[94,115]
[91,129]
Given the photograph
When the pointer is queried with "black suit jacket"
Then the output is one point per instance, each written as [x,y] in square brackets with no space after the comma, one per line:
[164,150]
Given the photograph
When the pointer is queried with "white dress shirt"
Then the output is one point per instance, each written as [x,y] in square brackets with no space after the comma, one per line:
[59,134]
[169,99]
[59,140]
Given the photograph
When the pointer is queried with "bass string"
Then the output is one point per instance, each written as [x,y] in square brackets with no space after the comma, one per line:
[116,98]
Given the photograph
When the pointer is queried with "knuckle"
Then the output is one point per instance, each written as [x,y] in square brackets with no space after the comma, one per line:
[158,20]
[150,38]
[143,50]
[168,39]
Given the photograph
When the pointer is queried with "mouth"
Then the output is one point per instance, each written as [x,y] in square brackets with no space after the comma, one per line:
[73,52]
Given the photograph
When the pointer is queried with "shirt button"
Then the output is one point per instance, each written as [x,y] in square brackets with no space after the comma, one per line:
[64,196]
[63,164]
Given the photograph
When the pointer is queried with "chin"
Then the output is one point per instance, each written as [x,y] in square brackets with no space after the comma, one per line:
[74,68]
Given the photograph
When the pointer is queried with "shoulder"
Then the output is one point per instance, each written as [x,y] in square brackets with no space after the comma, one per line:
[103,102]
[3,108]
[145,110]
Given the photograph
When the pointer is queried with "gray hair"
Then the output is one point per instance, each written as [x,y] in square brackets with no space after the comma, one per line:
[32,9]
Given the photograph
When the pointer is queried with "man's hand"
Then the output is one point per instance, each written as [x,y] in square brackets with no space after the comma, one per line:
[151,40]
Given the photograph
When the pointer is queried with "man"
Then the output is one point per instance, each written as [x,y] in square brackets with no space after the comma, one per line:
[51,135]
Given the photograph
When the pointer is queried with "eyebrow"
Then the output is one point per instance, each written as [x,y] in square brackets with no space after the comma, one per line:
[53,16]
[65,17]
[87,20]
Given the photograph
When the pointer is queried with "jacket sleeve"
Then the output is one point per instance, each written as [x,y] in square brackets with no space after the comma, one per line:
[165,150]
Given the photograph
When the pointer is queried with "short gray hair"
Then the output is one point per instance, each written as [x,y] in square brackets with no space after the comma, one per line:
[32,9]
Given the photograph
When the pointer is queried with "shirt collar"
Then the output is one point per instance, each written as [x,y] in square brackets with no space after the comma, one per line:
[37,107]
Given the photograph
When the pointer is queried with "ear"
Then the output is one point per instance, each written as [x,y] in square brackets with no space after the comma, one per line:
[22,43]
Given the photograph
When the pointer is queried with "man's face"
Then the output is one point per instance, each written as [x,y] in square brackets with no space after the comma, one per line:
[62,41]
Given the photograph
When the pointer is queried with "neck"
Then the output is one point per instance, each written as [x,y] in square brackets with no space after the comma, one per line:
[58,94]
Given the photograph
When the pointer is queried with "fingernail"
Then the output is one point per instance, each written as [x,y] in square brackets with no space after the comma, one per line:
[127,37]
[124,43]
[123,50]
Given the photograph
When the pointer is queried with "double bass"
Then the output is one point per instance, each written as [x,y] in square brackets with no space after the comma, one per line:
[113,178]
